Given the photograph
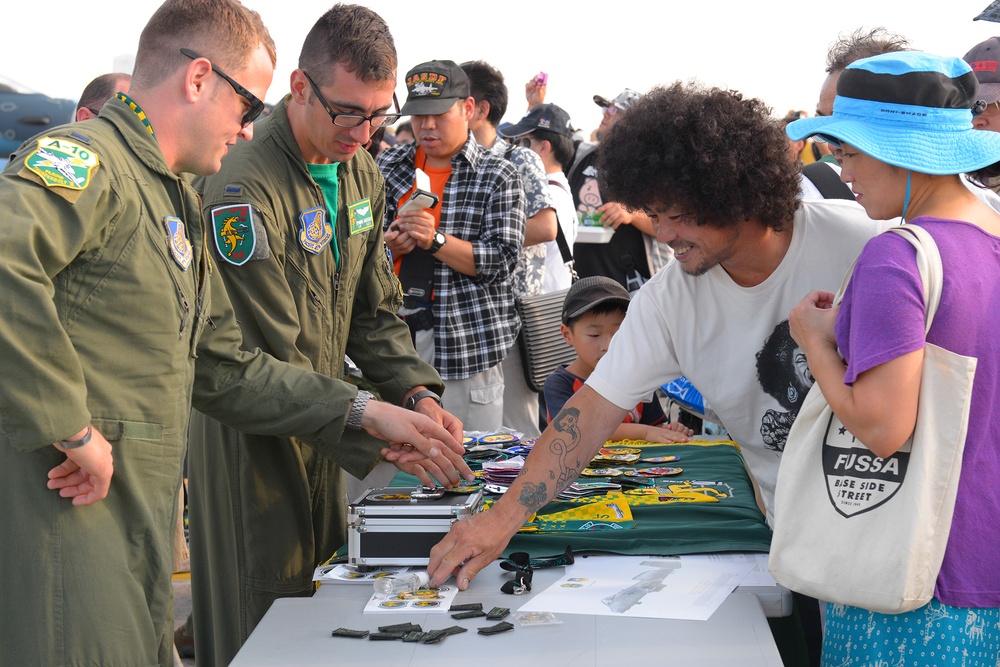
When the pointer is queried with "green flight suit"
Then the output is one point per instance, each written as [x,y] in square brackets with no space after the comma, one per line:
[264,511]
[111,315]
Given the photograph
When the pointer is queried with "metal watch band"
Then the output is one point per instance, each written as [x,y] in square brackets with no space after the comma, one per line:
[73,444]
[358,409]
[411,402]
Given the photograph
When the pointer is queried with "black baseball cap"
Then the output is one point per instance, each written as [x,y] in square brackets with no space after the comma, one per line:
[588,293]
[984,59]
[433,87]
[543,117]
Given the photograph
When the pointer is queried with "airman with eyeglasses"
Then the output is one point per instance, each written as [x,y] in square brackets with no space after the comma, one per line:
[297,218]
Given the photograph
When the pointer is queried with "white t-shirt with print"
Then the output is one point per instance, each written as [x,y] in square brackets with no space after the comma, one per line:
[711,330]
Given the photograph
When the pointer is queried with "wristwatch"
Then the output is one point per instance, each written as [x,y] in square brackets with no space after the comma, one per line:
[358,409]
[437,242]
[73,444]
[411,402]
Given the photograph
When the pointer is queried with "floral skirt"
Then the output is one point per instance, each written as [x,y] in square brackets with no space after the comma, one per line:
[935,635]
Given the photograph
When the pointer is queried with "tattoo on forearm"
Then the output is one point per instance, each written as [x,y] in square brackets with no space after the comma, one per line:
[533,496]
[567,438]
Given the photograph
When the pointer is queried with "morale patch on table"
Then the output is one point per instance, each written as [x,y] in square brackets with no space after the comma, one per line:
[654,472]
[661,459]
[390,497]
[600,472]
[360,215]
[613,451]
[315,233]
[466,489]
[499,439]
[61,163]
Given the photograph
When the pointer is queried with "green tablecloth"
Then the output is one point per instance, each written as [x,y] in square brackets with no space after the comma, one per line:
[735,523]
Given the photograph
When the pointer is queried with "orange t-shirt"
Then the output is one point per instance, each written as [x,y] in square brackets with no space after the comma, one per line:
[438,176]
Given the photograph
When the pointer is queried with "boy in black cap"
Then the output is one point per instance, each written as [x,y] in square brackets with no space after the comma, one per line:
[592,313]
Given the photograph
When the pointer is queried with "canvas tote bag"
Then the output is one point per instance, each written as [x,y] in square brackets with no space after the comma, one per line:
[856,529]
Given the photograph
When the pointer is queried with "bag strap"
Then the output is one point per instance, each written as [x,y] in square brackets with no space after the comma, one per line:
[928,264]
[567,254]
[930,267]
[827,181]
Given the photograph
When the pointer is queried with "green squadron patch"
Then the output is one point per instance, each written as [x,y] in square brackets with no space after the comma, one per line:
[234,234]
[360,215]
[62,164]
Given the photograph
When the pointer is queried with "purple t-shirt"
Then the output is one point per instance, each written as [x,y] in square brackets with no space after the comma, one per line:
[882,318]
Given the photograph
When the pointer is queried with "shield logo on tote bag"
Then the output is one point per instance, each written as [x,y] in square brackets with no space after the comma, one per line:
[856,479]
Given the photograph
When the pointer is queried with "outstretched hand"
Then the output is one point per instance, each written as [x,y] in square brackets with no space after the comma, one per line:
[85,475]
[468,547]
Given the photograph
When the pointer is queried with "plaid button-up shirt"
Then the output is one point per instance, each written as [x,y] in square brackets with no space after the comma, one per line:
[475,321]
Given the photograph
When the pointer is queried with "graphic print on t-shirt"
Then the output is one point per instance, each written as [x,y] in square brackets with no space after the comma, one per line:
[783,373]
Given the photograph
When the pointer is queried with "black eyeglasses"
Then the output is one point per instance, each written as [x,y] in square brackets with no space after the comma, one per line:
[355,119]
[524,142]
[256,105]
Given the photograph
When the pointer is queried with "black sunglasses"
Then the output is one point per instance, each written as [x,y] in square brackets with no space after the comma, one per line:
[256,105]
[355,119]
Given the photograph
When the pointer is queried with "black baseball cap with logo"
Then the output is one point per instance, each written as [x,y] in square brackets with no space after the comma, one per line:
[543,117]
[433,87]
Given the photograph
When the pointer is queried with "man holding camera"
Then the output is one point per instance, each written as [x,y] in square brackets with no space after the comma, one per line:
[455,260]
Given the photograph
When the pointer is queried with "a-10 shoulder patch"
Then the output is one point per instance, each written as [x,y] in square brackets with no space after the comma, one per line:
[62,163]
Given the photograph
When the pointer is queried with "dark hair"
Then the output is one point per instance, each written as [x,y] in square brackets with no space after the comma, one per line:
[352,36]
[486,84]
[860,44]
[562,146]
[224,31]
[101,89]
[710,150]
[606,308]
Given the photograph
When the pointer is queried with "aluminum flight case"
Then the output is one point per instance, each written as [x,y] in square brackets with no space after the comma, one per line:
[398,526]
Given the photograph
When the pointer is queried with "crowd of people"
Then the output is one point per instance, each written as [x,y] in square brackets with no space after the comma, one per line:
[186,279]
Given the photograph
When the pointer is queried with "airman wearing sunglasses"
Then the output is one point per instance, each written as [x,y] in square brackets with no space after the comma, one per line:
[114,322]
[296,217]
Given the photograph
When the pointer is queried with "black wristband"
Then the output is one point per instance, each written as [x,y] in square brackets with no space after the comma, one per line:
[73,444]
[411,402]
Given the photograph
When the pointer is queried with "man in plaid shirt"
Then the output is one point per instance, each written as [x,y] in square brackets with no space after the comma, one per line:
[455,259]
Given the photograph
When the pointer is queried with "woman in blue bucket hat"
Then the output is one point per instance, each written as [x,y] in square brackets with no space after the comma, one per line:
[902,130]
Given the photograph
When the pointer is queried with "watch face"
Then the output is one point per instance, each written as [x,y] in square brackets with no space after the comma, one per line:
[439,237]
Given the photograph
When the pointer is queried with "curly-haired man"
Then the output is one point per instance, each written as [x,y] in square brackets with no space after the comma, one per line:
[711,169]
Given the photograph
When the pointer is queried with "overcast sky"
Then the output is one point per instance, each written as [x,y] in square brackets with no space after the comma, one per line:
[767,49]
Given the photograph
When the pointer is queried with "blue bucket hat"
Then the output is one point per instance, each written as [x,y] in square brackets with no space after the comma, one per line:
[908,109]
